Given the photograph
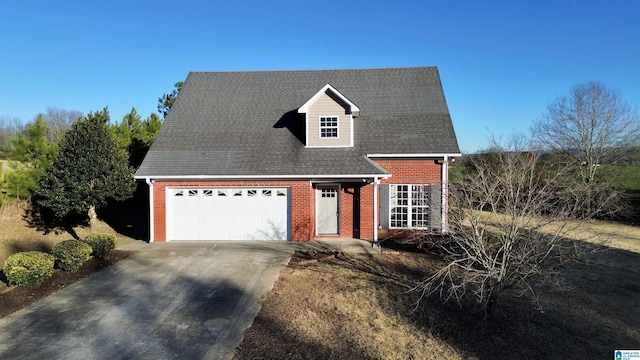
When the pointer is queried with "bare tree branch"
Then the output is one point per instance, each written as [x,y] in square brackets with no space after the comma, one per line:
[508,224]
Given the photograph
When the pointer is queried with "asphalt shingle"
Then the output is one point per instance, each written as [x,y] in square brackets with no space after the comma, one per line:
[246,123]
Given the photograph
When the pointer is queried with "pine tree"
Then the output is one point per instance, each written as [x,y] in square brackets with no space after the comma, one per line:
[33,154]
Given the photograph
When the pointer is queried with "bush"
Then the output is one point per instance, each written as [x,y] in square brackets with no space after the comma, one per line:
[102,244]
[71,254]
[29,269]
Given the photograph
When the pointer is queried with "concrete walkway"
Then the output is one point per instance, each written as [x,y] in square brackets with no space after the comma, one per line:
[176,300]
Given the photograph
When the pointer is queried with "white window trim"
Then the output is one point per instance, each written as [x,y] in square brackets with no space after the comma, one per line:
[337,127]
[393,189]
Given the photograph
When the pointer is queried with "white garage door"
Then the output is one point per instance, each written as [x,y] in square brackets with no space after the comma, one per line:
[246,213]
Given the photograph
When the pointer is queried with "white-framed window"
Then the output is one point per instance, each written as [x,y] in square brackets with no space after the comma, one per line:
[328,126]
[409,205]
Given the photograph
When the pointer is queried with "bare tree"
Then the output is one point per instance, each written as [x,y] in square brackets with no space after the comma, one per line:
[591,125]
[58,121]
[9,127]
[507,221]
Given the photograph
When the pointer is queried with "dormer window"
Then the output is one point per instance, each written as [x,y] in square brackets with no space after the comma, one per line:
[328,117]
[328,126]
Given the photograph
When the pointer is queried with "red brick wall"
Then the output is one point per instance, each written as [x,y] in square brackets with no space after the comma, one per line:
[403,171]
[302,204]
[346,211]
[356,199]
[414,171]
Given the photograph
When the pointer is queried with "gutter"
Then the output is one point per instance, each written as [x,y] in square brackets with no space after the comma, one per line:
[417,155]
[258,177]
[151,212]
[445,193]
[376,182]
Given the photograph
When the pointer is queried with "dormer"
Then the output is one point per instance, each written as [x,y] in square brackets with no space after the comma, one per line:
[329,119]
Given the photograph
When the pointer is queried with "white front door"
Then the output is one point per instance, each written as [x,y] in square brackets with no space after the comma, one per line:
[327,209]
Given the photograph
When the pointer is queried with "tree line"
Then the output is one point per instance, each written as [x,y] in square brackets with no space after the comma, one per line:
[67,164]
[56,122]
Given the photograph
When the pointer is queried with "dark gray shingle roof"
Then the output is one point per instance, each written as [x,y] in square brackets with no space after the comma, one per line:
[245,123]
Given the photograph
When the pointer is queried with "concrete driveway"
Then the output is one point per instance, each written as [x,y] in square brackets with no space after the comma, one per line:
[170,301]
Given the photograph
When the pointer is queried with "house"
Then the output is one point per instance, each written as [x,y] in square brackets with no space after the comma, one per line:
[296,155]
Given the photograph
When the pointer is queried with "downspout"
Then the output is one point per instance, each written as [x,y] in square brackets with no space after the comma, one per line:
[445,193]
[376,181]
[151,218]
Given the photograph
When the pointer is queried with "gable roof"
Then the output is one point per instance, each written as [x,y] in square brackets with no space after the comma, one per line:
[247,123]
[350,107]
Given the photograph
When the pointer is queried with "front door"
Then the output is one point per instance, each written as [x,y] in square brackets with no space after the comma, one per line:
[327,212]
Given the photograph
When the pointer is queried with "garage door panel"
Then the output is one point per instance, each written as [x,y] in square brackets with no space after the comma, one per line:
[227,214]
[272,230]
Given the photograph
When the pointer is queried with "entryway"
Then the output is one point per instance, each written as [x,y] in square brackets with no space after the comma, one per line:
[327,209]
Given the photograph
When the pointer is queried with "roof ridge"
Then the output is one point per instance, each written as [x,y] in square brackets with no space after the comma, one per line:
[229,71]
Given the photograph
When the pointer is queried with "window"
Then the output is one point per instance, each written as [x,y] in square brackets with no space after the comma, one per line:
[328,193]
[409,206]
[328,126]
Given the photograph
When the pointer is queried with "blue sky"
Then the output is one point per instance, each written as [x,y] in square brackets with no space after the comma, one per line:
[500,62]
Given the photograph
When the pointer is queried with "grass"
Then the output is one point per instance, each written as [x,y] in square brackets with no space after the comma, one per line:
[596,232]
[350,307]
[358,307]
[4,166]
[625,177]
[16,235]
[353,306]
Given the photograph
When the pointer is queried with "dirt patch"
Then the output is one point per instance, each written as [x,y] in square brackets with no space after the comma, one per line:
[15,298]
[348,306]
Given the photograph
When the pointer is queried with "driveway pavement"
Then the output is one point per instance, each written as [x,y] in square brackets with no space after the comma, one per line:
[170,301]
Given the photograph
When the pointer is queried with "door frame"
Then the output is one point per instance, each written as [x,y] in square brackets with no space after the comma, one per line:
[318,190]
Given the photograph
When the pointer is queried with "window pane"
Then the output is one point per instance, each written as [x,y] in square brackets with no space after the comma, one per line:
[409,205]
[328,127]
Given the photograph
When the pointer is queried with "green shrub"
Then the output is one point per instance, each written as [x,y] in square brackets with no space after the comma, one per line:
[71,254]
[29,269]
[102,244]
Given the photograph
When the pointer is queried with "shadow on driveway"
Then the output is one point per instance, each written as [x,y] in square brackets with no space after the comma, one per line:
[170,301]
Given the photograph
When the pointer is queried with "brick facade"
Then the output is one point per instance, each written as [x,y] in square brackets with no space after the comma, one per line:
[355,202]
[302,204]
[411,171]
[403,171]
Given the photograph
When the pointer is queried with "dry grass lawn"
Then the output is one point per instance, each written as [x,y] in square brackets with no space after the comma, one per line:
[16,235]
[357,307]
[4,166]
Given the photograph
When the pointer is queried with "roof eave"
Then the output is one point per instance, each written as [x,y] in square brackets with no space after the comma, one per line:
[419,155]
[261,177]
